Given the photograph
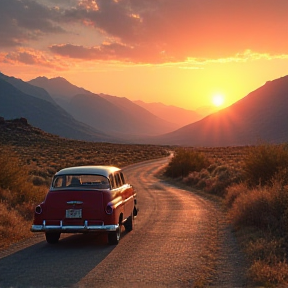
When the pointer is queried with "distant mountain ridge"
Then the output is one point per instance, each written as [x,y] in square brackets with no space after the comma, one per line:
[114,115]
[174,114]
[153,121]
[260,116]
[58,87]
[46,115]
[26,88]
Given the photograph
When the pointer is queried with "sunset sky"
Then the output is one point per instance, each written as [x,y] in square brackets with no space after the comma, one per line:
[178,52]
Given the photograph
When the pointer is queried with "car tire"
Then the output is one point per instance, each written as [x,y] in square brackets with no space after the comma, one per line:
[135,212]
[129,223]
[114,236]
[52,238]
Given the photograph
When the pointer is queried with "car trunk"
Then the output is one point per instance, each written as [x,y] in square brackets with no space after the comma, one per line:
[74,207]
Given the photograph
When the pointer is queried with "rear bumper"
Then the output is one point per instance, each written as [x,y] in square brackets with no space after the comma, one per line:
[73,229]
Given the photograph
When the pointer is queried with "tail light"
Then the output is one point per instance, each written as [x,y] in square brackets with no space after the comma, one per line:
[38,209]
[109,209]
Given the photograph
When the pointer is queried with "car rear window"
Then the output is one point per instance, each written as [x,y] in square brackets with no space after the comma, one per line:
[88,181]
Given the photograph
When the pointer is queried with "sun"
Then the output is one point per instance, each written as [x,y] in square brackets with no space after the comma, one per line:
[218,100]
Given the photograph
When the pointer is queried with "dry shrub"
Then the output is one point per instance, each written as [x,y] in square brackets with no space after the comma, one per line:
[12,172]
[186,161]
[269,273]
[253,208]
[12,226]
[263,162]
[214,179]
[192,179]
[221,178]
[16,187]
[268,249]
[39,181]
[26,210]
[264,209]
[234,191]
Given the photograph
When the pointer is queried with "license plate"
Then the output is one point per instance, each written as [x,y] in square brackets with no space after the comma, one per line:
[74,213]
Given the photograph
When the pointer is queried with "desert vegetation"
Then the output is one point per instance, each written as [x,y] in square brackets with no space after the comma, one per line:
[29,158]
[252,182]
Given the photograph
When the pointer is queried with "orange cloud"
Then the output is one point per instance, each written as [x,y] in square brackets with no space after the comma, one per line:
[150,31]
[111,51]
[32,57]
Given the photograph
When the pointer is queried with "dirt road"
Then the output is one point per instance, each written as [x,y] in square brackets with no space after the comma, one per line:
[179,240]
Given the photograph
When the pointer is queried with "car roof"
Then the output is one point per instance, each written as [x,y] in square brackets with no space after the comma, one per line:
[99,170]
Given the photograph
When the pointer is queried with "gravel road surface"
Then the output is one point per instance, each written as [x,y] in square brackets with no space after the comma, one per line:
[179,239]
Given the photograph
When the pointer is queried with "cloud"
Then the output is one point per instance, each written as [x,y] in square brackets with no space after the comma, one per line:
[186,28]
[245,56]
[33,57]
[59,3]
[150,31]
[26,20]
[112,52]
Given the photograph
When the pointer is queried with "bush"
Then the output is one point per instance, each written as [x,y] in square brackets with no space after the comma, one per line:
[263,162]
[12,173]
[234,191]
[252,209]
[15,183]
[186,161]
[262,207]
[269,273]
[12,227]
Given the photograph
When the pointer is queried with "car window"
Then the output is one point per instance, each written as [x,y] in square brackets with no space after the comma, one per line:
[116,177]
[85,180]
[122,178]
[112,181]
[58,182]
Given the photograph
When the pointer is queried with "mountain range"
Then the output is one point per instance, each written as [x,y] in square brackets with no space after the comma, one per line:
[61,108]
[261,116]
[116,116]
[170,113]
[21,99]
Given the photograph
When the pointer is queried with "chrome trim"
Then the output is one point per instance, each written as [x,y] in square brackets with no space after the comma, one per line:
[73,229]
[74,202]
[129,198]
[96,170]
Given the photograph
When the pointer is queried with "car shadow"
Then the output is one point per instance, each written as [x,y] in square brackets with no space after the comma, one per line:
[55,265]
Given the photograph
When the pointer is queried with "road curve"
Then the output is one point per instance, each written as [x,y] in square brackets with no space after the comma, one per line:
[179,240]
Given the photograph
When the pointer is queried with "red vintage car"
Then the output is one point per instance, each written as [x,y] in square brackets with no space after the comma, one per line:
[87,199]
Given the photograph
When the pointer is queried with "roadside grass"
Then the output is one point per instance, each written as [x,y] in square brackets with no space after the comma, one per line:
[13,226]
[252,183]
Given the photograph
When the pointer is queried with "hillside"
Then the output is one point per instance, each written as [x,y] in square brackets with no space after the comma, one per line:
[143,117]
[44,114]
[114,115]
[260,116]
[26,88]
[177,115]
[58,87]
[45,153]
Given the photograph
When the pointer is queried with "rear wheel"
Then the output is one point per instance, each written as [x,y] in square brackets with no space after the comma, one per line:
[135,211]
[129,223]
[52,238]
[114,236]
